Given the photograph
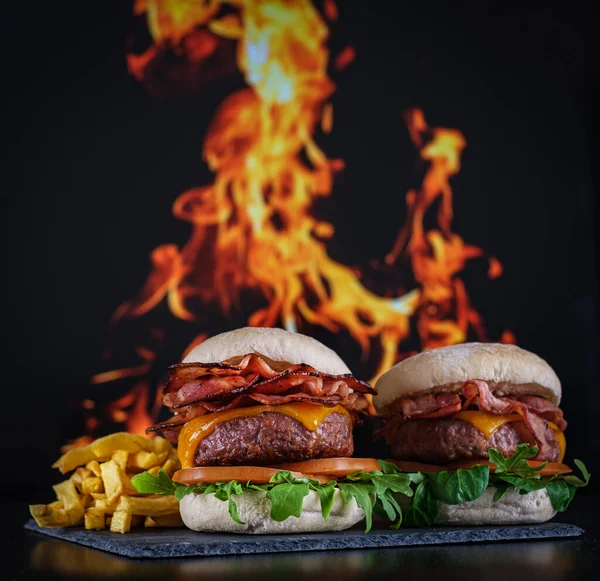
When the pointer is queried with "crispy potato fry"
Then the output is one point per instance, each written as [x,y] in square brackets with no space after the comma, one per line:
[121,521]
[65,491]
[94,467]
[171,465]
[143,460]
[79,476]
[111,477]
[116,481]
[121,457]
[94,519]
[99,494]
[46,515]
[161,445]
[92,484]
[102,449]
[169,520]
[151,505]
[102,503]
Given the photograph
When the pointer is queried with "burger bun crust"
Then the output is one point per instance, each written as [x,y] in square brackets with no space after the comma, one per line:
[205,512]
[276,344]
[507,369]
[512,508]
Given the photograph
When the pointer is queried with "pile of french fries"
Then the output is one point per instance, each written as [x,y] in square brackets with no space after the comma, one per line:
[98,494]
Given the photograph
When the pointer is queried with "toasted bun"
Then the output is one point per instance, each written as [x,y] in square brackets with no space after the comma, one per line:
[512,508]
[205,512]
[276,344]
[508,370]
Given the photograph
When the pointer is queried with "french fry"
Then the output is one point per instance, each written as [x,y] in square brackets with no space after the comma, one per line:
[160,445]
[46,515]
[149,505]
[143,460]
[121,457]
[99,494]
[79,476]
[111,477]
[65,491]
[94,467]
[94,519]
[107,507]
[121,521]
[92,484]
[171,465]
[169,520]
[102,449]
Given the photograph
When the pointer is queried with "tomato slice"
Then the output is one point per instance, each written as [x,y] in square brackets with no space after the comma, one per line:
[331,466]
[550,469]
[253,474]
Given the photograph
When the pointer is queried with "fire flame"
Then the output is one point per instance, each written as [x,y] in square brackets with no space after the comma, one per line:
[253,228]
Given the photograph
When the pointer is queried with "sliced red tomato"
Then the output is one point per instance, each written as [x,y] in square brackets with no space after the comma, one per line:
[550,469]
[331,466]
[253,474]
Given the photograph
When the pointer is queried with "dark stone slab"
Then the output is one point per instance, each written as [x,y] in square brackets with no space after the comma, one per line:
[182,542]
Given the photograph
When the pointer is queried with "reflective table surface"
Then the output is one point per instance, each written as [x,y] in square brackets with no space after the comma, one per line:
[30,555]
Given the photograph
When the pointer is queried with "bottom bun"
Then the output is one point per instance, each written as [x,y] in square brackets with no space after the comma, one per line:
[512,508]
[205,512]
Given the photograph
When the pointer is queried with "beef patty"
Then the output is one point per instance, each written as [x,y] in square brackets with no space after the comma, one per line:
[273,438]
[444,440]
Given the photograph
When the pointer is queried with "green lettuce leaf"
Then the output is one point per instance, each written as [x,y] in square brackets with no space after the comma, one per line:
[462,485]
[361,492]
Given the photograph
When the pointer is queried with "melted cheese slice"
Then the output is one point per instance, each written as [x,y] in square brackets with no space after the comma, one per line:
[308,414]
[485,422]
[488,423]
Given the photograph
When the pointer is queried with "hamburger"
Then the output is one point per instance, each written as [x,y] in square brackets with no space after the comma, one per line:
[482,423]
[263,418]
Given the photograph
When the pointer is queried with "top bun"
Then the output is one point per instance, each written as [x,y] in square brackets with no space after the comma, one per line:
[507,369]
[275,344]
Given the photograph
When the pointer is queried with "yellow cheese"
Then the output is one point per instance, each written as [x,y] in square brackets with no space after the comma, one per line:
[310,415]
[488,423]
[560,438]
[485,422]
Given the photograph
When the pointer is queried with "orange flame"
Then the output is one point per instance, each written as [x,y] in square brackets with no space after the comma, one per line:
[253,227]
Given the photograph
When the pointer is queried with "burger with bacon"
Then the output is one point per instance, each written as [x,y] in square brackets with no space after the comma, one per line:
[491,409]
[263,407]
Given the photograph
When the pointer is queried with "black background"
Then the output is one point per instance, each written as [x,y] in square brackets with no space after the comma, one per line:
[91,164]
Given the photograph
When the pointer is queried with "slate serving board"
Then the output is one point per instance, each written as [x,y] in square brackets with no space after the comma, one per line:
[182,542]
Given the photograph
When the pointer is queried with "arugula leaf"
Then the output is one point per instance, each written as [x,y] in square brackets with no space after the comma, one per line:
[225,491]
[561,494]
[389,467]
[575,480]
[517,463]
[286,500]
[462,485]
[525,485]
[501,489]
[362,494]
[424,509]
[326,493]
[393,482]
[146,483]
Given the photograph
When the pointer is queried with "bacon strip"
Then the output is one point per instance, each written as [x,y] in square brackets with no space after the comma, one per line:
[476,393]
[430,406]
[544,408]
[209,388]
[194,389]
[479,393]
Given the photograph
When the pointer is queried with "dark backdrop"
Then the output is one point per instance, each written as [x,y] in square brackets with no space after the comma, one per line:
[91,165]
